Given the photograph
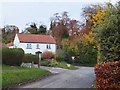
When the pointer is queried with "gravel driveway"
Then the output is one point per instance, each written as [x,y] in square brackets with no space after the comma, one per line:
[63,78]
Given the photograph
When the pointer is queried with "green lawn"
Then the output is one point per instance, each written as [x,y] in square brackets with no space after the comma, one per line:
[15,74]
[66,66]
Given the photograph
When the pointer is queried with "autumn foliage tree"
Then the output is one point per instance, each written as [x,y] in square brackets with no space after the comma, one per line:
[80,35]
[58,26]
[94,20]
[94,15]
[108,36]
[63,27]
[69,35]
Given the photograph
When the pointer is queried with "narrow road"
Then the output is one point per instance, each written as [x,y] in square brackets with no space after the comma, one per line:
[63,78]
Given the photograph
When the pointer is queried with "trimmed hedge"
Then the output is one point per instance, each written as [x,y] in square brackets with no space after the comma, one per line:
[108,75]
[12,56]
[29,58]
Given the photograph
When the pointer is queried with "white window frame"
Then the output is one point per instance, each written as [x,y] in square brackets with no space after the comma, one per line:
[29,46]
[37,46]
[48,46]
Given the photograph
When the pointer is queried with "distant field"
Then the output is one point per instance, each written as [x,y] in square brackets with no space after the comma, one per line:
[15,74]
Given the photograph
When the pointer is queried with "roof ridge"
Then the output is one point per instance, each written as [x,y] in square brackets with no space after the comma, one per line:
[33,34]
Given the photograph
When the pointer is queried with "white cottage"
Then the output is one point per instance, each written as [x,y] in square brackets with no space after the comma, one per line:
[32,43]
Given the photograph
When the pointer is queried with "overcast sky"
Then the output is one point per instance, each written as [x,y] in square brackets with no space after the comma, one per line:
[25,11]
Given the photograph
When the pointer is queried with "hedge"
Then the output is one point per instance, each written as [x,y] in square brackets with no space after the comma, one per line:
[12,56]
[107,75]
[107,37]
[29,58]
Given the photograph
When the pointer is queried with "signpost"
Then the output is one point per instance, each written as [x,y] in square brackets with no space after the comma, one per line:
[39,58]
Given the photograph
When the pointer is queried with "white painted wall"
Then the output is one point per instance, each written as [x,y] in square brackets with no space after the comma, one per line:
[16,42]
[43,47]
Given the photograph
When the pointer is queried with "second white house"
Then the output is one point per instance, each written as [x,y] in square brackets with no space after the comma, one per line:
[32,43]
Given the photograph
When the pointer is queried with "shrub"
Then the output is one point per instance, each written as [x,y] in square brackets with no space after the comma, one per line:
[87,55]
[60,55]
[45,62]
[12,56]
[29,58]
[47,55]
[108,36]
[107,75]
[54,63]
[58,58]
[83,53]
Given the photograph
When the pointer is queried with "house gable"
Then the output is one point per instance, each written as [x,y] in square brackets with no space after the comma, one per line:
[16,41]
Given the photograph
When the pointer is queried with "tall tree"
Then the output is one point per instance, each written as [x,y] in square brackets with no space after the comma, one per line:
[33,29]
[8,33]
[58,25]
[108,36]
[94,16]
[42,29]
[62,26]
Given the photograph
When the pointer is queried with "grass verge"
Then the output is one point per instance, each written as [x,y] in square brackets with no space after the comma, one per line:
[58,64]
[66,66]
[15,74]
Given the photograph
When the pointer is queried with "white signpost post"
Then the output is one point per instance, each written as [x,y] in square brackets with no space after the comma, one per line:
[39,58]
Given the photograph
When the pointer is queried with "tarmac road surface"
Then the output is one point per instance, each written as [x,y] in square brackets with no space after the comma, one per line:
[63,78]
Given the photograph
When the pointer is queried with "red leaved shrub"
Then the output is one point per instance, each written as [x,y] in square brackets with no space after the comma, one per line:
[47,55]
[108,75]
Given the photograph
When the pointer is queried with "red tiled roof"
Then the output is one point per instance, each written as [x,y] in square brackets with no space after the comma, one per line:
[36,38]
[9,44]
